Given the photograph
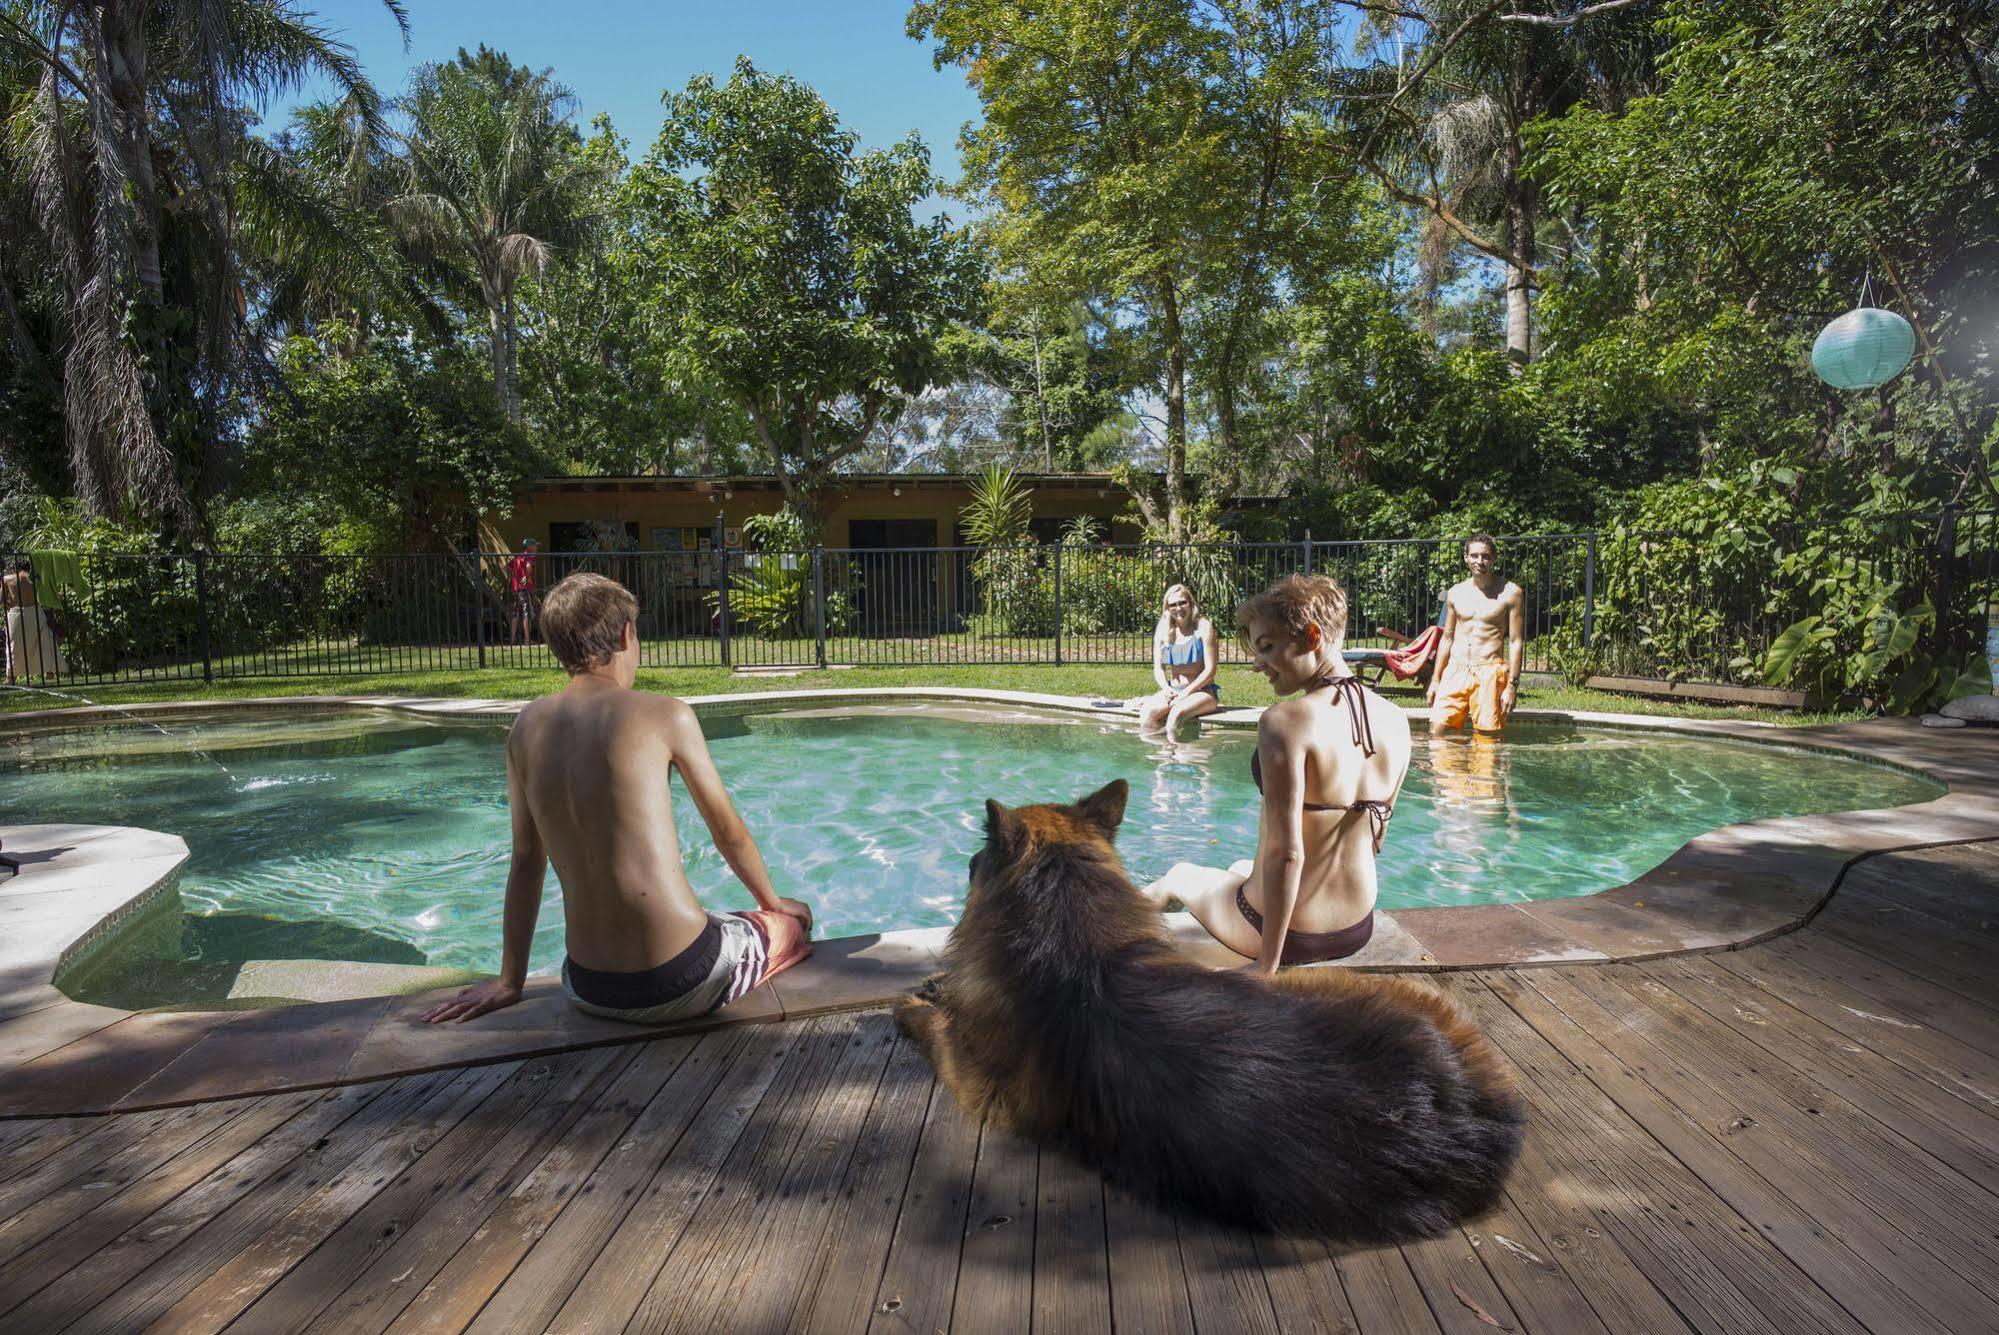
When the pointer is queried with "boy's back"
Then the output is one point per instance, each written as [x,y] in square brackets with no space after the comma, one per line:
[588,786]
[593,768]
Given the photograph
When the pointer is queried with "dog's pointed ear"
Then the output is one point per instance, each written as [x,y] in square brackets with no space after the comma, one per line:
[1105,807]
[1004,830]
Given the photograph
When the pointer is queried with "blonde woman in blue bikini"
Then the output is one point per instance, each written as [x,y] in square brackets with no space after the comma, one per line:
[1183,663]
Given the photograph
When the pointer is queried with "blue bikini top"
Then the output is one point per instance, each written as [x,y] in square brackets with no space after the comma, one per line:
[1185,654]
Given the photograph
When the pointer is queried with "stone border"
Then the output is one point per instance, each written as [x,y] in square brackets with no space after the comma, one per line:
[1722,890]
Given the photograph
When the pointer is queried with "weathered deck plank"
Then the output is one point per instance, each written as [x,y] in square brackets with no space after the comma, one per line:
[1904,1213]
[1955,1132]
[703,1176]
[266,1258]
[995,1281]
[109,1266]
[919,1279]
[1869,1024]
[1640,1161]
[789,1230]
[653,1179]
[455,1293]
[75,1238]
[1796,1136]
[837,1292]
[353,1269]
[407,1108]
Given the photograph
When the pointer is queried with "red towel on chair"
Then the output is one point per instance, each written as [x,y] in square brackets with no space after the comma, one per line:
[1407,661]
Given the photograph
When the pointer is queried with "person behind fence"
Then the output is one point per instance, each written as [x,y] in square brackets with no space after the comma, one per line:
[521,589]
[588,779]
[31,648]
[1184,662]
[1330,764]
[1477,676]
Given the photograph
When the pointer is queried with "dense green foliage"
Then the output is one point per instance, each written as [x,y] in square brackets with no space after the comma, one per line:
[789,271]
[1282,266]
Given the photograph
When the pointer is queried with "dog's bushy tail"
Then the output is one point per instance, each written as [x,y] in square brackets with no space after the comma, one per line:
[1354,1108]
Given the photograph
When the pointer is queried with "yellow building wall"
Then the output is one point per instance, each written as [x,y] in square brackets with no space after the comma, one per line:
[662,515]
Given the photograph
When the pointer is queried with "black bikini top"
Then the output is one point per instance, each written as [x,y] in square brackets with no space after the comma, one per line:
[1353,691]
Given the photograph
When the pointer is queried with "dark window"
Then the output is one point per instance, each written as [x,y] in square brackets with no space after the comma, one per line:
[880,533]
[594,536]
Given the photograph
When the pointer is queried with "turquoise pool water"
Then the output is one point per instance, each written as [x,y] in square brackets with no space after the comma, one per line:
[379,838]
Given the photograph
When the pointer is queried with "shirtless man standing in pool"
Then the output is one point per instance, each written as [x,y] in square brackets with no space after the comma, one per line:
[588,773]
[1483,616]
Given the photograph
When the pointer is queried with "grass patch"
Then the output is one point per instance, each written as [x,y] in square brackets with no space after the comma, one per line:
[1239,686]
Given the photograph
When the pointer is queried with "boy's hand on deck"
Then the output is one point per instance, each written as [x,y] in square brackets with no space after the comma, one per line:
[798,909]
[475,1000]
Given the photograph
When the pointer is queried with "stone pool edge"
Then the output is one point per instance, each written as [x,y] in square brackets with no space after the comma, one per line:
[1728,888]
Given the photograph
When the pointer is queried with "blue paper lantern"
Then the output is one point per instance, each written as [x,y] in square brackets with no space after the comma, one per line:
[1863,348]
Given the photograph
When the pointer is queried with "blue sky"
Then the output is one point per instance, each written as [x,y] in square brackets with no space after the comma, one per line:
[618,55]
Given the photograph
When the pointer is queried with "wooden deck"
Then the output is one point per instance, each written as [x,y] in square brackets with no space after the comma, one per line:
[1796,1136]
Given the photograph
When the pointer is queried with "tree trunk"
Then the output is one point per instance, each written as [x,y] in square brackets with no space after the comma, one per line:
[1225,421]
[1227,371]
[1041,397]
[1520,263]
[1176,411]
[123,30]
[513,400]
[496,326]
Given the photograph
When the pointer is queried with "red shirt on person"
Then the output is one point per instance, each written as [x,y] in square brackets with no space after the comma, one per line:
[520,573]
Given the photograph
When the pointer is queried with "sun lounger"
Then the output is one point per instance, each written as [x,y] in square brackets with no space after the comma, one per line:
[1410,658]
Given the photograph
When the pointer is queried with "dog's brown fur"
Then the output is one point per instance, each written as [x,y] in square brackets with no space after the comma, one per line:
[1324,1101]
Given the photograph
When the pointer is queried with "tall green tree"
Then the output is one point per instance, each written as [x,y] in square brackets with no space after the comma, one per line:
[1063,374]
[1441,114]
[790,270]
[1795,148]
[493,186]
[124,130]
[403,442]
[1098,155]
[1158,161]
[598,382]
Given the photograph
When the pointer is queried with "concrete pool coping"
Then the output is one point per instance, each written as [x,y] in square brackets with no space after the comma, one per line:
[78,886]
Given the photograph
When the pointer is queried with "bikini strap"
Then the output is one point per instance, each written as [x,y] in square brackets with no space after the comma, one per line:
[1353,691]
[1378,811]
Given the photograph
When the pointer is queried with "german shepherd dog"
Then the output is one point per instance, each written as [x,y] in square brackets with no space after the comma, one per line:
[1324,1102]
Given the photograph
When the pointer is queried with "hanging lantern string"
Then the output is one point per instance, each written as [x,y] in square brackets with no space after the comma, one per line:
[1867,287]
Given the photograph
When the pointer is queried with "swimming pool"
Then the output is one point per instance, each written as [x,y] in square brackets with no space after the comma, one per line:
[385,838]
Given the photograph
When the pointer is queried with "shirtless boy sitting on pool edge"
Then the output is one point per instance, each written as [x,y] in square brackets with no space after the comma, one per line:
[588,785]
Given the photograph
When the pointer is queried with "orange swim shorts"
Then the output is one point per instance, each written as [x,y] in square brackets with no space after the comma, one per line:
[1472,695]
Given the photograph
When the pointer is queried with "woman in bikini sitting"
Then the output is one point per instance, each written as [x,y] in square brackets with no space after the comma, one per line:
[1183,663]
[1330,764]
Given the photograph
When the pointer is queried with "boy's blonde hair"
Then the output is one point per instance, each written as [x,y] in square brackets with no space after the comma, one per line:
[584,620]
[1295,602]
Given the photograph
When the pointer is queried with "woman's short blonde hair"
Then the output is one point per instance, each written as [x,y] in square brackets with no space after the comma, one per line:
[1295,602]
[584,620]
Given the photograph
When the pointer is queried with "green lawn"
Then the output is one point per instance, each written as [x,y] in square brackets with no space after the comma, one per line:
[1239,686]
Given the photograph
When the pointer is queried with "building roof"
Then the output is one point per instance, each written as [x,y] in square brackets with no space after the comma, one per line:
[770,482]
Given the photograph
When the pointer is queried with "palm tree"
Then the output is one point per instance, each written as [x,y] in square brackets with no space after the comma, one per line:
[1446,119]
[493,180]
[322,248]
[124,134]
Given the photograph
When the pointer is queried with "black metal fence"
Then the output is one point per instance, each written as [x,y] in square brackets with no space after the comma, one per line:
[1696,608]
